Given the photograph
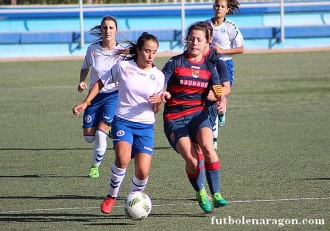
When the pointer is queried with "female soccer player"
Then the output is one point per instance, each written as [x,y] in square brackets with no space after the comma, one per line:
[140,86]
[227,38]
[186,117]
[99,114]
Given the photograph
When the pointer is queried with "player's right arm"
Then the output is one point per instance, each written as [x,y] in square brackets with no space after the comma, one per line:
[91,95]
[82,84]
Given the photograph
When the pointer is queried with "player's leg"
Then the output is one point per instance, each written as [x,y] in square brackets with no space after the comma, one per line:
[106,103]
[194,171]
[211,160]
[142,151]
[122,140]
[231,75]
[177,134]
[90,123]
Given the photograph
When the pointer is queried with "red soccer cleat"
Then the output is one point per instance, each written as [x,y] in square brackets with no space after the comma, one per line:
[107,204]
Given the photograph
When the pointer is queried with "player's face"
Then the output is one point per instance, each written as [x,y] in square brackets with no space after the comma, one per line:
[196,43]
[109,30]
[220,8]
[147,54]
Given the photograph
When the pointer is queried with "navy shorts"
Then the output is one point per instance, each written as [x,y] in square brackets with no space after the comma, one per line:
[102,108]
[139,135]
[187,126]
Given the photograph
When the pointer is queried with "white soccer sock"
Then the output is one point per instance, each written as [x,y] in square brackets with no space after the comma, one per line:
[116,178]
[100,147]
[215,131]
[138,185]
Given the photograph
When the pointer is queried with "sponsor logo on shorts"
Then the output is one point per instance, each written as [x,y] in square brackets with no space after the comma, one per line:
[120,133]
[88,119]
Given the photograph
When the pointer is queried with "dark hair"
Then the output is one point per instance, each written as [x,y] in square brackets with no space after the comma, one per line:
[209,28]
[232,5]
[131,50]
[203,26]
[97,30]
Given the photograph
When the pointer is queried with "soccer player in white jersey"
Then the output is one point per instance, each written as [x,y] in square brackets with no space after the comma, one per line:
[227,38]
[99,114]
[140,86]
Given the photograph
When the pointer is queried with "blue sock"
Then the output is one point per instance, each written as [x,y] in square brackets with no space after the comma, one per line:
[213,176]
[197,179]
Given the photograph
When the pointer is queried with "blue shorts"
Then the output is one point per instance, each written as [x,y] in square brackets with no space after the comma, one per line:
[102,108]
[230,70]
[213,113]
[139,135]
[187,126]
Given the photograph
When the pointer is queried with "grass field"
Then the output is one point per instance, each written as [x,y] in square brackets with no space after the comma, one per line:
[274,152]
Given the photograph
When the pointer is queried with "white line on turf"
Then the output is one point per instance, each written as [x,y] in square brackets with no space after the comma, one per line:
[173,204]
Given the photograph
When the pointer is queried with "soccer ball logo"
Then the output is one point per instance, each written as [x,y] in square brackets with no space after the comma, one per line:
[137,205]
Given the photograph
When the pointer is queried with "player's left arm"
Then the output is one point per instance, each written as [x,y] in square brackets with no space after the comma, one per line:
[157,99]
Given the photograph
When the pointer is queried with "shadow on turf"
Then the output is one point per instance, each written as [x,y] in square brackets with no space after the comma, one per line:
[65,217]
[61,149]
[320,178]
[52,217]
[43,176]
[61,197]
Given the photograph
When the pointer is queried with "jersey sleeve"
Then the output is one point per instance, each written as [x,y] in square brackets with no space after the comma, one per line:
[161,82]
[168,69]
[88,61]
[222,70]
[112,75]
[238,41]
[235,36]
[215,79]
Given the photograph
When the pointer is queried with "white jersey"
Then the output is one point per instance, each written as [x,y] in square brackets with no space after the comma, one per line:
[226,36]
[135,88]
[100,61]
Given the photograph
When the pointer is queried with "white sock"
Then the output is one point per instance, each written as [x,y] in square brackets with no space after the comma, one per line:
[215,128]
[100,147]
[116,178]
[138,185]
[215,131]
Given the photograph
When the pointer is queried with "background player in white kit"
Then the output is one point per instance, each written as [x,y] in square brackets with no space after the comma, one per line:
[99,114]
[227,38]
[140,89]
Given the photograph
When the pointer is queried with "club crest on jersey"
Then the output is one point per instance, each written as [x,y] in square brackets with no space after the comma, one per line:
[152,77]
[195,73]
[223,30]
[120,133]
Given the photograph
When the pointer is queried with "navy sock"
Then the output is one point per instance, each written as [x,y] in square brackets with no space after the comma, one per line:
[213,176]
[197,179]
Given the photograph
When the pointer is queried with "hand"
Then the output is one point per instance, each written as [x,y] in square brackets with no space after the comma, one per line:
[221,106]
[79,108]
[165,96]
[211,96]
[155,98]
[82,85]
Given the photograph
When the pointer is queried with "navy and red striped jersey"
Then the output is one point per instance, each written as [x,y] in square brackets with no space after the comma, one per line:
[221,66]
[188,82]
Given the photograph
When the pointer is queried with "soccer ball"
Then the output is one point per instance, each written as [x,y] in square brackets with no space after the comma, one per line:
[137,205]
